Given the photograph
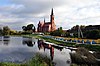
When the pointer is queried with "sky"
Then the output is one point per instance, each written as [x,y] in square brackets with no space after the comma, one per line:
[68,13]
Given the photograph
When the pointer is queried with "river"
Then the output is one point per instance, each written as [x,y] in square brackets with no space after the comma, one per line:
[22,49]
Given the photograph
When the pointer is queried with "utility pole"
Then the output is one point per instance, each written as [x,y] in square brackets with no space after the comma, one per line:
[80,34]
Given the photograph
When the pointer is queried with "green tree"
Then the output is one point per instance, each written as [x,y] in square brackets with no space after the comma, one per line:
[1,31]
[30,26]
[67,34]
[57,32]
[6,30]
[24,28]
[28,29]
[93,34]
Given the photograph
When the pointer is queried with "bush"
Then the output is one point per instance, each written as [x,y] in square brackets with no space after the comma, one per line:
[82,56]
[26,32]
[92,34]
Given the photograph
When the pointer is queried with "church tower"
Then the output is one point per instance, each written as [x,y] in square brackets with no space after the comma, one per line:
[53,26]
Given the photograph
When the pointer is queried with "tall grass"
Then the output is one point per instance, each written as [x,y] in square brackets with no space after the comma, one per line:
[38,60]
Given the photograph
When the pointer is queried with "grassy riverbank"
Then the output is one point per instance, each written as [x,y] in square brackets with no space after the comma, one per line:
[53,41]
[38,60]
[58,42]
[87,46]
[90,47]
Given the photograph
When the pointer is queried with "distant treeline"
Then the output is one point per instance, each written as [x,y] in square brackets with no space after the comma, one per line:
[88,32]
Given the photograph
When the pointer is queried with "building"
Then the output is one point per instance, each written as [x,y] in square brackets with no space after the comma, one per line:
[47,26]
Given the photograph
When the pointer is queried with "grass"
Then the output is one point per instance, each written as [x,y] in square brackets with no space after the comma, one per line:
[87,46]
[54,41]
[11,64]
[78,65]
[38,60]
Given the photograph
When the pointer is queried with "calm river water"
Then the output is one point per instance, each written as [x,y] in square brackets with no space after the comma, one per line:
[21,49]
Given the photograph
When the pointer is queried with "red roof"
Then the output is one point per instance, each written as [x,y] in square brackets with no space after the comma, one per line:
[47,23]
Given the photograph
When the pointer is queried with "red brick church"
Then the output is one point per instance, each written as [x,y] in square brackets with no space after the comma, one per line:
[47,26]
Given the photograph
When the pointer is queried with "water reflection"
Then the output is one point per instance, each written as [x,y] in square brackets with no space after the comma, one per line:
[5,40]
[0,38]
[19,49]
[58,54]
[42,45]
[28,41]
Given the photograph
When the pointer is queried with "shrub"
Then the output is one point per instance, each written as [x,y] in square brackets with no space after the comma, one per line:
[82,56]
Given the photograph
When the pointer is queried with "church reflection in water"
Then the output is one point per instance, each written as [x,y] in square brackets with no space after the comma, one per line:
[42,45]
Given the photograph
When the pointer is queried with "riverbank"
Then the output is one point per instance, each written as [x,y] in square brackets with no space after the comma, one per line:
[90,47]
[38,60]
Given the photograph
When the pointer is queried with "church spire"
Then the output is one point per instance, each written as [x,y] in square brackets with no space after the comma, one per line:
[39,22]
[44,20]
[52,12]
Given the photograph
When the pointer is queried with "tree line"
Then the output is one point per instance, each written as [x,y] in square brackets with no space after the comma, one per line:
[73,32]
[28,29]
[7,31]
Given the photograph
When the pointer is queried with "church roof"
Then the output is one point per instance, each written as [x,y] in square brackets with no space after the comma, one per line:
[47,23]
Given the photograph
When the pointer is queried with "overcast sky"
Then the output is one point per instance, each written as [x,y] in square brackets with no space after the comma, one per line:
[16,13]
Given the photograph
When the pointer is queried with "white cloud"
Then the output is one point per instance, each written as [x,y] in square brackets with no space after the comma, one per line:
[67,12]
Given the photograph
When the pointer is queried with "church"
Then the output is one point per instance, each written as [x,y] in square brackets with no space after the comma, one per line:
[47,26]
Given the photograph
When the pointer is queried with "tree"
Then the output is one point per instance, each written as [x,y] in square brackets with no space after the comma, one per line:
[28,29]
[30,26]
[24,28]
[6,30]
[57,32]
[1,31]
[93,34]
[67,34]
